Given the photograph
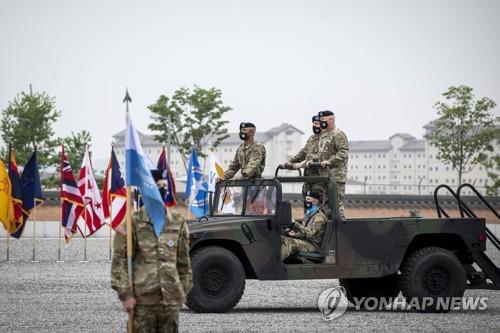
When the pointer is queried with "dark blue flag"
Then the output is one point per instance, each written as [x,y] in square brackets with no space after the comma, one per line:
[31,189]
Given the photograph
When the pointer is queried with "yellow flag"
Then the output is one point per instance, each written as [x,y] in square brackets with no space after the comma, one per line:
[7,216]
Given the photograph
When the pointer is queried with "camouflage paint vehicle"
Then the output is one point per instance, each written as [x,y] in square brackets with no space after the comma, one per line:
[373,257]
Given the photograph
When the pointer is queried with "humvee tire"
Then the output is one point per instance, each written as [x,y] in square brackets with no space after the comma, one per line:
[387,286]
[433,272]
[218,280]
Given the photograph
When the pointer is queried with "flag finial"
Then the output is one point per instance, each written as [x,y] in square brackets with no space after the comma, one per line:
[127,97]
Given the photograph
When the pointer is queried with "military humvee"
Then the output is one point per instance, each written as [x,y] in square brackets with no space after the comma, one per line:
[239,239]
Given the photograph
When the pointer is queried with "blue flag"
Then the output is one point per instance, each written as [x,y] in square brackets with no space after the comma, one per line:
[138,173]
[31,189]
[196,187]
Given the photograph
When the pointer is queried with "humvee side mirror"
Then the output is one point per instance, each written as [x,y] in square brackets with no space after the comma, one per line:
[284,213]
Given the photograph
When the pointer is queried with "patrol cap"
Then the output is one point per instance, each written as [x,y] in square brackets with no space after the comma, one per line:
[325,113]
[315,118]
[247,125]
[159,174]
[314,195]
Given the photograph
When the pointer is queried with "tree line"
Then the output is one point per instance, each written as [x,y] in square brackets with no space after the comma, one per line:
[464,131]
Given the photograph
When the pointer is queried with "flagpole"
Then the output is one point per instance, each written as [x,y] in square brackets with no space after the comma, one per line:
[8,246]
[33,238]
[110,232]
[61,213]
[85,215]
[130,324]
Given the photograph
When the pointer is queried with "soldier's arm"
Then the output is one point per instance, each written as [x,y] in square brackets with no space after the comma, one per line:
[315,227]
[183,260]
[299,157]
[119,277]
[254,162]
[234,166]
[342,150]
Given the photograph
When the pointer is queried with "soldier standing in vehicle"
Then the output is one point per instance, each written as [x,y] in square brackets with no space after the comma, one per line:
[161,269]
[309,152]
[250,157]
[333,153]
[306,237]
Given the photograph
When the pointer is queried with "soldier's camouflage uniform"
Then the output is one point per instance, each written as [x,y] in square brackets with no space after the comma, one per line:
[161,271]
[307,236]
[308,153]
[250,159]
[333,147]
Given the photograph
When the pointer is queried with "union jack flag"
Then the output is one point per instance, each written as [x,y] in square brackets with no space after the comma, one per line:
[72,203]
[114,194]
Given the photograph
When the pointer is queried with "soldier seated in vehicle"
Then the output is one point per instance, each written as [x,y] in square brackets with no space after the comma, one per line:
[261,200]
[305,237]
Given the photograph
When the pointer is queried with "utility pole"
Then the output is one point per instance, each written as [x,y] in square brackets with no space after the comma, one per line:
[364,184]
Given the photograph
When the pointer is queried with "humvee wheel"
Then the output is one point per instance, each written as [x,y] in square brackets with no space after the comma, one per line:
[218,280]
[432,272]
[369,288]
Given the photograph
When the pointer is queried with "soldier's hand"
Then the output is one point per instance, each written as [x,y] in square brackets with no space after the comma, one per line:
[308,163]
[291,233]
[296,166]
[129,305]
[324,164]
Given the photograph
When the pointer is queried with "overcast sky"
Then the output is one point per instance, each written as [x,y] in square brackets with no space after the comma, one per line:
[380,65]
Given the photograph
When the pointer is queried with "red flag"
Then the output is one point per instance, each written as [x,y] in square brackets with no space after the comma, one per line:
[114,193]
[92,217]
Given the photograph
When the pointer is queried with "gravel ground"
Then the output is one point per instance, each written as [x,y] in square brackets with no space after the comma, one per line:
[76,297]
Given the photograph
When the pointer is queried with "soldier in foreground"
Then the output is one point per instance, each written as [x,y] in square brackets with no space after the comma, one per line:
[333,153]
[161,269]
[250,157]
[305,237]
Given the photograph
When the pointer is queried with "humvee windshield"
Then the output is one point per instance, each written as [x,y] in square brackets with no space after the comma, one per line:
[246,199]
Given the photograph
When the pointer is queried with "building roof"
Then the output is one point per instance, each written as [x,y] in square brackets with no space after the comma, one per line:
[232,139]
[414,145]
[372,145]
[405,136]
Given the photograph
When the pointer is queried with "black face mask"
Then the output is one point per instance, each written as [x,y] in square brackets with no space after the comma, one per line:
[243,136]
[323,124]
[316,129]
[163,192]
[308,204]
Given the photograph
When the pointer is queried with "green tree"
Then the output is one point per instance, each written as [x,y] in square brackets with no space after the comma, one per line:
[74,147]
[27,122]
[492,166]
[464,131]
[191,117]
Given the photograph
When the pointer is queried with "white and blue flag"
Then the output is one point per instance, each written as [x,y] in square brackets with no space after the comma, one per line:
[138,173]
[196,187]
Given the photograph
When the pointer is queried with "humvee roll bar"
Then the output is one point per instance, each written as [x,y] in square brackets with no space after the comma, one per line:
[289,166]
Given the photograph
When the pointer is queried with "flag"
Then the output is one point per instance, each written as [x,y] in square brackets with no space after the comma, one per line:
[17,199]
[169,199]
[196,187]
[72,203]
[7,216]
[215,171]
[31,189]
[92,217]
[114,194]
[138,173]
[226,202]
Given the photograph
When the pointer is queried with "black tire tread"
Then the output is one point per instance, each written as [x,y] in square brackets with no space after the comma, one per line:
[198,252]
